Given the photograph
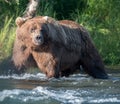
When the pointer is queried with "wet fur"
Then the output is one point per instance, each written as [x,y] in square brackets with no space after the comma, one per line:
[67,45]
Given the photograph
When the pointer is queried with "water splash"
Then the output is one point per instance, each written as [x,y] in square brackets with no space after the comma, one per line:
[61,95]
[76,89]
[107,100]
[24,76]
[41,93]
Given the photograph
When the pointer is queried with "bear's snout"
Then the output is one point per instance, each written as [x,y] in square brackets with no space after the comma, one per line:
[38,39]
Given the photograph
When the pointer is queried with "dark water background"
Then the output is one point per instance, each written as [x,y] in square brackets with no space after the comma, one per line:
[76,89]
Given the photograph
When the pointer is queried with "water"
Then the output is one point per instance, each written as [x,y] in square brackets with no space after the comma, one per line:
[76,89]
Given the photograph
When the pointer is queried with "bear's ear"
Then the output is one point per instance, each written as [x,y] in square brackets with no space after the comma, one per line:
[50,20]
[19,21]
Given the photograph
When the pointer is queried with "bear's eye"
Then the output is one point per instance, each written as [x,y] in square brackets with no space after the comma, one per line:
[42,30]
[32,30]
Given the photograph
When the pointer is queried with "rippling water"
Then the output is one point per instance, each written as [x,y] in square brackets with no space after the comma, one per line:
[76,89]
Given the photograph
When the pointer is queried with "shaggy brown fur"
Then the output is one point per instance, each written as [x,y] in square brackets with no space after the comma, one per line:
[57,47]
[22,56]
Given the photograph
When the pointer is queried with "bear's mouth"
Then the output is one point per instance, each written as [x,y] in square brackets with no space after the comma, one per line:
[38,41]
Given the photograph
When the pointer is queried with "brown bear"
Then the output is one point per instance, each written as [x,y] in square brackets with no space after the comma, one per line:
[58,48]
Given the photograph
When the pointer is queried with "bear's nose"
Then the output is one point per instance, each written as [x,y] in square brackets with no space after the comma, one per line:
[38,37]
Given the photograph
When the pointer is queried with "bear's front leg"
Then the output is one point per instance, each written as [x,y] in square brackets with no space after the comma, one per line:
[52,68]
[47,63]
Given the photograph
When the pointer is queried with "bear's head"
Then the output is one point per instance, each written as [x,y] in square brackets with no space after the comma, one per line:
[37,31]
[32,32]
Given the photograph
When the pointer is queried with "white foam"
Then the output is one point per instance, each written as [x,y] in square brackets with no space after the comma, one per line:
[41,93]
[41,76]
[22,95]
[113,99]
[58,94]
[24,76]
[8,93]
[68,96]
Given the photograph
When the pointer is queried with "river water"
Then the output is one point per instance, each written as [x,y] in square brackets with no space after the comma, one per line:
[76,89]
